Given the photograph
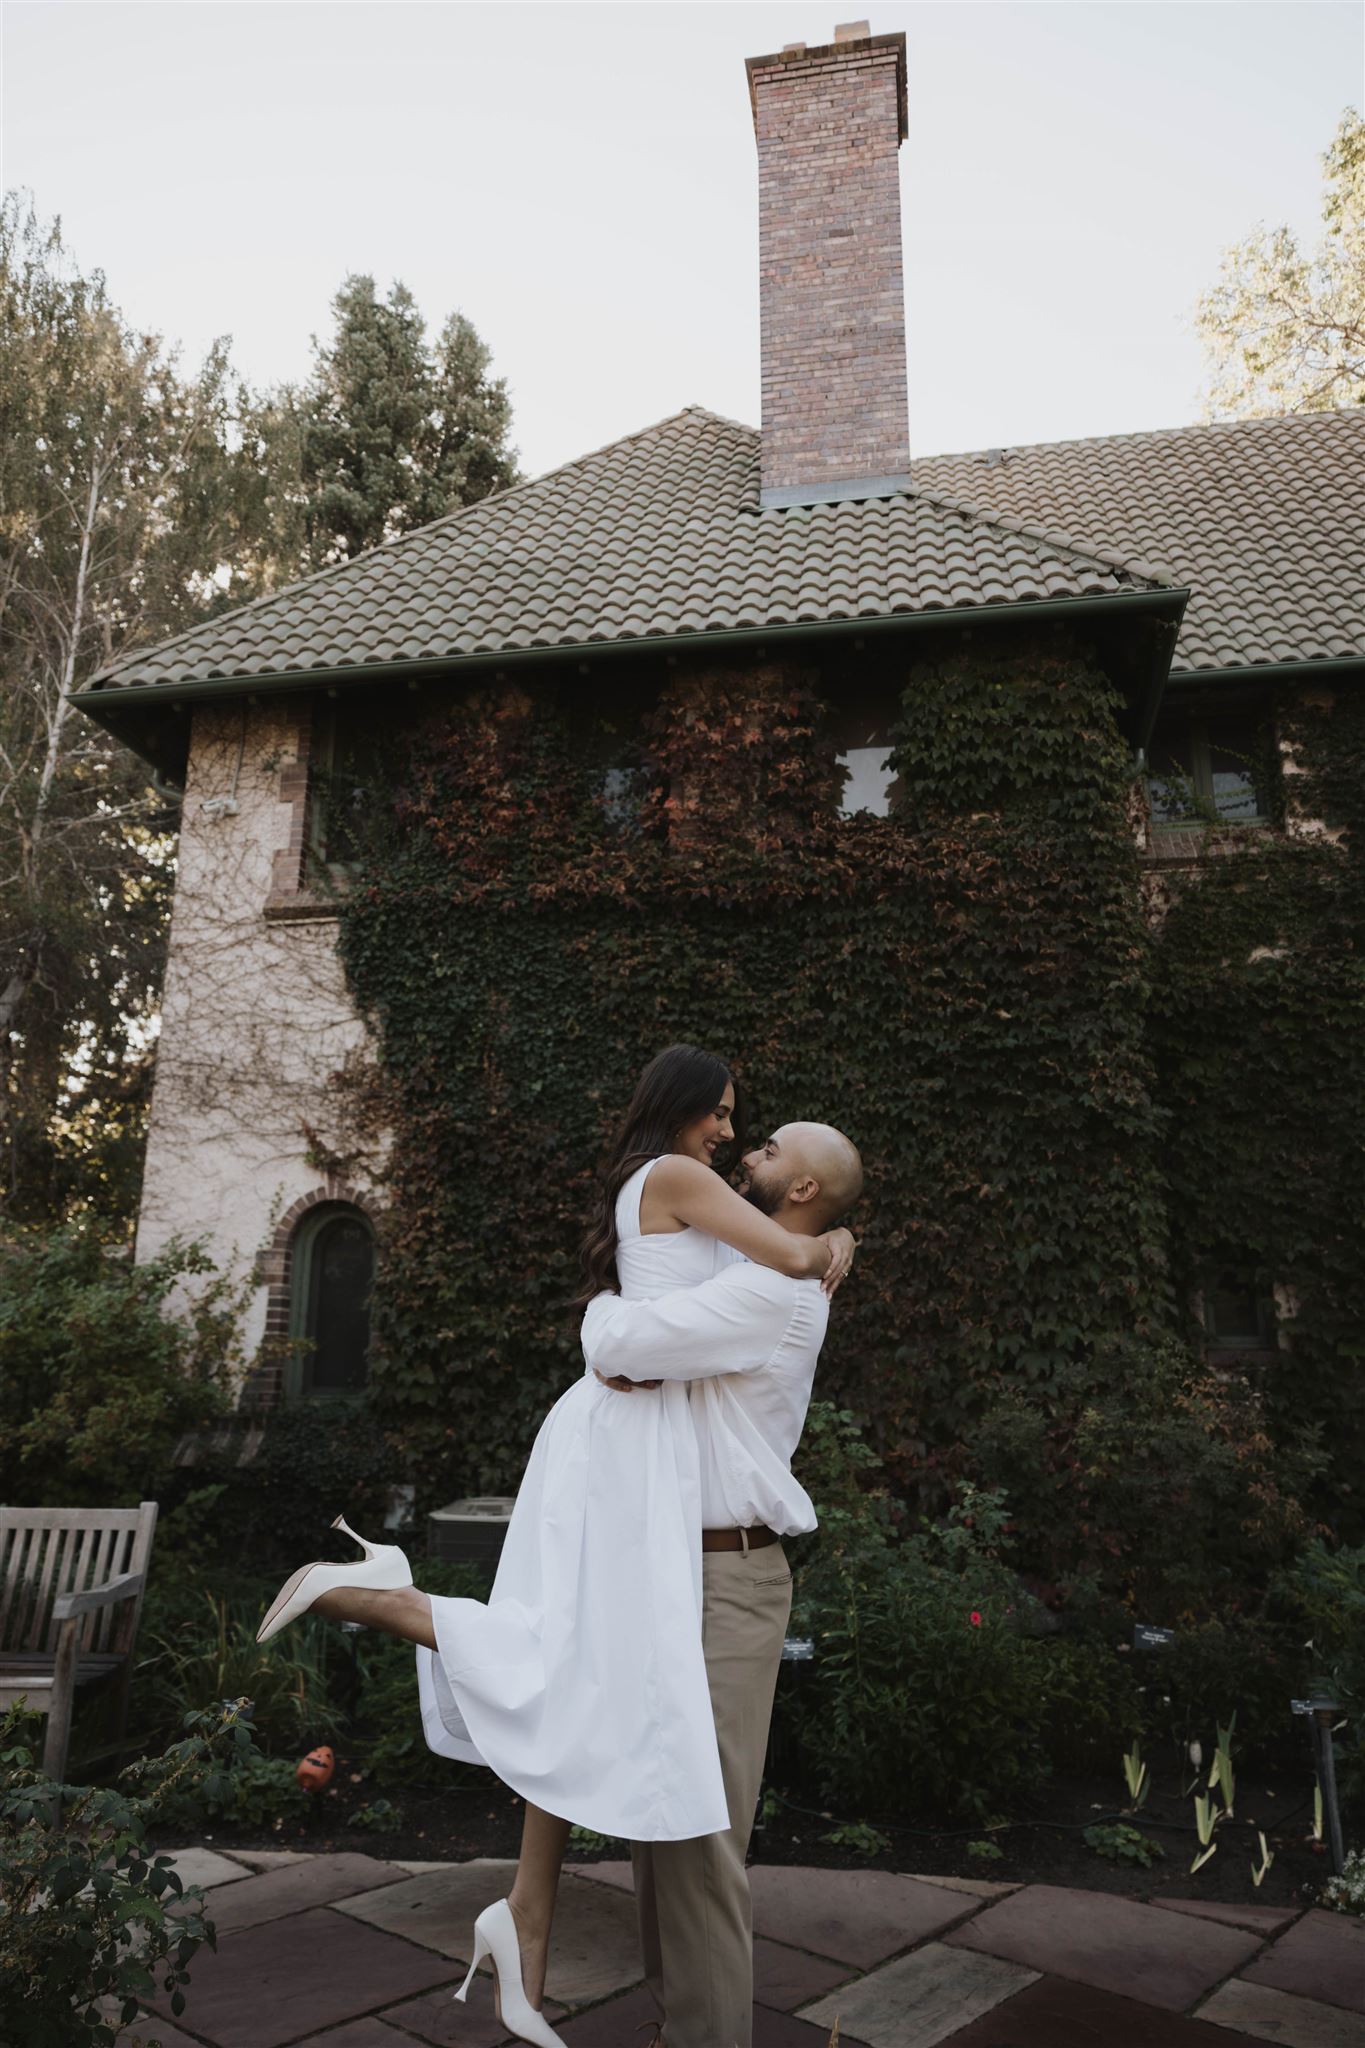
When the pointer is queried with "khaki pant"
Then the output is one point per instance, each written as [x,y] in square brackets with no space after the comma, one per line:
[696,1926]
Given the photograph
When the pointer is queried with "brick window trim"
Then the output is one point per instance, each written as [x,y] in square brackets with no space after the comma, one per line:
[264,1388]
[292,897]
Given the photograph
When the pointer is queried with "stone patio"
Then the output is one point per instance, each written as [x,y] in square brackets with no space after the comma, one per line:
[345,1951]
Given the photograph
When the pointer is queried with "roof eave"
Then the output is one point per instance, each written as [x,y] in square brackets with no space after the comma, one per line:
[1334,667]
[108,698]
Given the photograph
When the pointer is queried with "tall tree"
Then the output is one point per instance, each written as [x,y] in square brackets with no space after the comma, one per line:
[125,514]
[1285,331]
[389,432]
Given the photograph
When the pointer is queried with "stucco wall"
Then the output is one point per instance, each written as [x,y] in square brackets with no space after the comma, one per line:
[256,1020]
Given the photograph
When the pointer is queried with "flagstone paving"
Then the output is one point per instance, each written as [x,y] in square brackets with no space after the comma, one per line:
[348,1951]
[1321,1956]
[1112,1944]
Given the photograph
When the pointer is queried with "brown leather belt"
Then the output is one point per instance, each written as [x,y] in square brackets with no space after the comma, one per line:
[735,1539]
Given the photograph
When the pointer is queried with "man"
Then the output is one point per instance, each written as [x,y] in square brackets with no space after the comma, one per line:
[747,1341]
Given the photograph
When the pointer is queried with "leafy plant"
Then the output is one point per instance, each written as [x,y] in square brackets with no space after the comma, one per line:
[258,1791]
[589,1843]
[1258,1871]
[89,1913]
[985,1851]
[860,1837]
[1118,1843]
[1322,1595]
[927,1692]
[1346,1893]
[213,1655]
[380,1816]
[99,1379]
[1207,1814]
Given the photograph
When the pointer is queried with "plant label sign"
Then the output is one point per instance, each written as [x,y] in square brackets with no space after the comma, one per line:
[1145,1637]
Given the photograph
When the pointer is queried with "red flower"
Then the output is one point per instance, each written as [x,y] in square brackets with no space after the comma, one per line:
[975,1618]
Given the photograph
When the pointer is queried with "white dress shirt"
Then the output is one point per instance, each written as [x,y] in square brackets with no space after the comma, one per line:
[747,1341]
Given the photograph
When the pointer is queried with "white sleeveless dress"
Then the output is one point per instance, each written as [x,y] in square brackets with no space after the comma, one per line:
[581,1681]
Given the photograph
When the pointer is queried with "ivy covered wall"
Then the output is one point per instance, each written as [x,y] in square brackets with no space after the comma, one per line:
[1258,1034]
[968,987]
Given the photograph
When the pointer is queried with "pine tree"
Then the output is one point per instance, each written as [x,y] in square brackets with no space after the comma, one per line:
[389,433]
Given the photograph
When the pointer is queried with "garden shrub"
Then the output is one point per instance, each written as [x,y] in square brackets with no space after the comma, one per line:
[1321,1599]
[101,1370]
[86,1907]
[257,1792]
[1153,1475]
[315,1461]
[928,1695]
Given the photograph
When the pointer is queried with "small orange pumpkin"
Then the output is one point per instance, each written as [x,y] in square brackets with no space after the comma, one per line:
[315,1770]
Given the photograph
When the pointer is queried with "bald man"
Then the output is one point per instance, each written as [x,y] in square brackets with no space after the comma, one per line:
[747,1342]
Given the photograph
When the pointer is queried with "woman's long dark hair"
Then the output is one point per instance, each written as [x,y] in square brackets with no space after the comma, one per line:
[679,1084]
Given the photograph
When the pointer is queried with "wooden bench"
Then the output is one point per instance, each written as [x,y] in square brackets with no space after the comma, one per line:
[71,1586]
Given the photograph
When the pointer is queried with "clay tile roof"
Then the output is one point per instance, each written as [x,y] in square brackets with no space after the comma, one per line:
[1263,521]
[656,535]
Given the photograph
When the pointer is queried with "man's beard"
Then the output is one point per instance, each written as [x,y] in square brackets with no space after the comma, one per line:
[766,1196]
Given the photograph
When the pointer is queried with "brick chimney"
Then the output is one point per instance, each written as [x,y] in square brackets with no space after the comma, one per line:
[829,123]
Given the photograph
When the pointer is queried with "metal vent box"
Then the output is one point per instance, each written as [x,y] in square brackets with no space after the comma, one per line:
[470,1531]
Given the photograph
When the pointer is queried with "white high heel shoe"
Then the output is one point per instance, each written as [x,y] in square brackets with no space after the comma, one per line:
[495,1934]
[383,1568]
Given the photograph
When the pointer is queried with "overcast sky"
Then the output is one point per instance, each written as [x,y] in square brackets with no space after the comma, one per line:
[580,181]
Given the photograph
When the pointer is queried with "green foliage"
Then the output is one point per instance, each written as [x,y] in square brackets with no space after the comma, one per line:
[125,517]
[1160,1445]
[380,1817]
[388,1742]
[961,988]
[390,431]
[587,1842]
[1258,1030]
[1321,1601]
[1245,1666]
[927,1694]
[211,1654]
[89,1912]
[1284,327]
[1346,1894]
[259,1792]
[860,1837]
[984,1851]
[1118,1843]
[314,1462]
[99,1375]
[1063,1109]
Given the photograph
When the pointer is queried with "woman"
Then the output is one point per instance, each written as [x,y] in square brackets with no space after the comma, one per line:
[581,1681]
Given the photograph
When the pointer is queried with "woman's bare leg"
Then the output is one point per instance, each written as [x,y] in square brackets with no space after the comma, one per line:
[403,1611]
[544,1839]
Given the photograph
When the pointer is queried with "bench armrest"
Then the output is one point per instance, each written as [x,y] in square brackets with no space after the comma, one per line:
[67,1605]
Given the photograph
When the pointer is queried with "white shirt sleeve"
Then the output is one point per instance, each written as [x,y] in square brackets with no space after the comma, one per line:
[732,1323]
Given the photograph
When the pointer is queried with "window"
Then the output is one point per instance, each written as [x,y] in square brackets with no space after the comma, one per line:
[332,1275]
[1207,770]
[1236,1316]
[863,736]
[347,735]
